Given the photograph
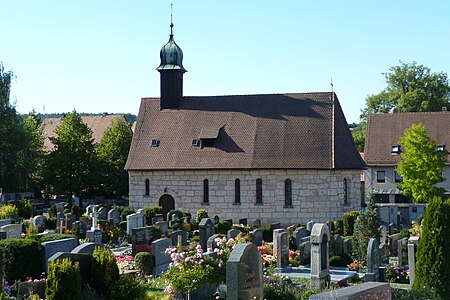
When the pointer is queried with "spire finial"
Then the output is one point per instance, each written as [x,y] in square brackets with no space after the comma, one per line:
[171,23]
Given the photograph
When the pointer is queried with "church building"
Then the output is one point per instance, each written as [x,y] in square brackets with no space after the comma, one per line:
[287,158]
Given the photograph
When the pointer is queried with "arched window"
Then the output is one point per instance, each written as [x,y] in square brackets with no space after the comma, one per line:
[345,191]
[147,187]
[259,191]
[287,192]
[205,191]
[237,191]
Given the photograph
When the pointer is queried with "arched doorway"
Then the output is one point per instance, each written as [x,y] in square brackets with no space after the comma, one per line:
[167,203]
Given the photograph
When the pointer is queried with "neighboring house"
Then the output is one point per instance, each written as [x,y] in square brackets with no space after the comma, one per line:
[286,158]
[382,154]
[98,125]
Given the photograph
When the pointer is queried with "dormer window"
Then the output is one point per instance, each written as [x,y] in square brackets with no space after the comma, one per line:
[440,147]
[395,149]
[195,143]
[208,136]
[155,143]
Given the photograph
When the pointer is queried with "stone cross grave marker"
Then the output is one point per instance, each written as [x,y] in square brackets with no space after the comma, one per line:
[206,229]
[244,273]
[320,268]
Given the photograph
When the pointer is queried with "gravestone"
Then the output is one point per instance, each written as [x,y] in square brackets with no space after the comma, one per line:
[338,244]
[243,221]
[366,290]
[2,237]
[282,251]
[216,219]
[39,222]
[373,260]
[175,237]
[393,244]
[330,225]
[413,243]
[391,228]
[114,217]
[305,253]
[290,230]
[206,229]
[94,236]
[52,247]
[69,219]
[90,209]
[383,253]
[230,221]
[102,213]
[402,251]
[60,207]
[87,248]
[136,220]
[310,225]
[59,221]
[257,223]
[84,263]
[275,225]
[4,222]
[26,289]
[161,259]
[37,209]
[244,273]
[163,226]
[141,239]
[232,233]
[275,234]
[257,237]
[157,218]
[347,246]
[211,244]
[320,273]
[12,230]
[383,234]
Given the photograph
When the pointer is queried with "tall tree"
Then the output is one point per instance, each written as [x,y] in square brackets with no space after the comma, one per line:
[70,166]
[10,133]
[421,166]
[30,157]
[113,152]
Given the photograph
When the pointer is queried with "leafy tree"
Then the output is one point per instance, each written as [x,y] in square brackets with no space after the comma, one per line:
[10,133]
[359,133]
[366,227]
[112,153]
[433,255]
[70,166]
[421,166]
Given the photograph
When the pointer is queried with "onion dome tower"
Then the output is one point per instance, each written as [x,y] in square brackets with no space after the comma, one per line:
[171,70]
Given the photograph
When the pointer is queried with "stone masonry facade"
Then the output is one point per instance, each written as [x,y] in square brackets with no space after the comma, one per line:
[318,195]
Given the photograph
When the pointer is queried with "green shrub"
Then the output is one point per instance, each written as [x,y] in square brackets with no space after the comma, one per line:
[128,287]
[144,262]
[282,289]
[347,258]
[433,258]
[267,233]
[50,223]
[337,261]
[340,226]
[52,211]
[123,225]
[6,210]
[104,271]
[125,212]
[21,259]
[222,227]
[349,222]
[77,211]
[23,208]
[150,212]
[366,227]
[201,214]
[404,234]
[63,280]
[54,237]
[413,293]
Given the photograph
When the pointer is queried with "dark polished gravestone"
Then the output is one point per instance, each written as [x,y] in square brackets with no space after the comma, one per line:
[52,247]
[244,273]
[141,239]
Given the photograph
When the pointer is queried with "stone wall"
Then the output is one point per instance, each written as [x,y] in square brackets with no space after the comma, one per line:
[316,194]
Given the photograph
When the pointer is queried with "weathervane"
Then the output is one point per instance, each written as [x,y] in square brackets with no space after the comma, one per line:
[171,23]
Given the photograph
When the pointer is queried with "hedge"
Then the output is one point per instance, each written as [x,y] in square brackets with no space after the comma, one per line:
[21,259]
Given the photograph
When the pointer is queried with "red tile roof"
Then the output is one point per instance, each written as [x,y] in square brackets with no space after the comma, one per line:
[385,130]
[97,124]
[274,131]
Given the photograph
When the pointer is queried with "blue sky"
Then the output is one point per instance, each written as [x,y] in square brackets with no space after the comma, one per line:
[96,56]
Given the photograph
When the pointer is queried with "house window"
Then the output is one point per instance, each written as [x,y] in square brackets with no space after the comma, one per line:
[381,176]
[287,193]
[259,191]
[345,191]
[205,191]
[395,149]
[147,187]
[397,177]
[237,191]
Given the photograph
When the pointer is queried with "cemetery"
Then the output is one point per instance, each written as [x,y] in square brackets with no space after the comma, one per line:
[119,253]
